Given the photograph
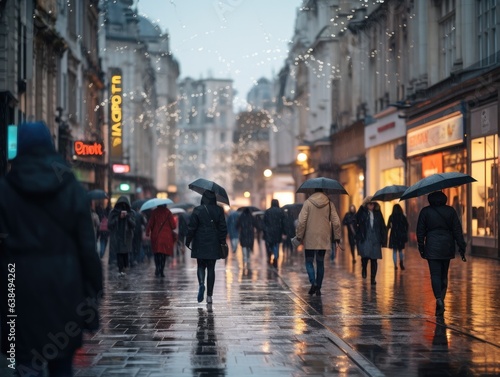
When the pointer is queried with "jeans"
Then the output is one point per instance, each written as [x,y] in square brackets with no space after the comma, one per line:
[438,269]
[395,256]
[234,244]
[274,248]
[310,255]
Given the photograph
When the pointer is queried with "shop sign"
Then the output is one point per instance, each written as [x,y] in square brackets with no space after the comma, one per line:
[484,121]
[88,148]
[116,114]
[441,134]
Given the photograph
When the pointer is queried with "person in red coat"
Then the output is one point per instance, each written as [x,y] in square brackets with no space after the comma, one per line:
[160,228]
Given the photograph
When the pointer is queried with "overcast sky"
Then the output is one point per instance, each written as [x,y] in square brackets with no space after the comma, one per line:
[242,40]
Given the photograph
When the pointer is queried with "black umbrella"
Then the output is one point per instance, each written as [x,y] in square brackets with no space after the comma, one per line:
[328,185]
[436,182]
[389,193]
[201,185]
[136,205]
[293,210]
[251,208]
[184,205]
[97,194]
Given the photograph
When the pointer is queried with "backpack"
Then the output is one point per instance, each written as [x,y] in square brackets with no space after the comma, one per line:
[103,226]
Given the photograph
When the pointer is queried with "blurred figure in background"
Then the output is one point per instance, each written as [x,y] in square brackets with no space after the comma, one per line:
[160,228]
[246,227]
[398,224]
[274,219]
[349,222]
[371,236]
[49,246]
[121,223]
[232,229]
[103,233]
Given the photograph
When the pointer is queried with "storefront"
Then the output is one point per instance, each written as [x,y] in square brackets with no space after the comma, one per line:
[382,139]
[435,144]
[484,168]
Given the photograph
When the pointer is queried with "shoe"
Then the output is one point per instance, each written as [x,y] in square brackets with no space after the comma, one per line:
[162,274]
[313,289]
[318,292]
[374,282]
[209,299]
[363,272]
[201,293]
[439,307]
[401,265]
[275,263]
[395,267]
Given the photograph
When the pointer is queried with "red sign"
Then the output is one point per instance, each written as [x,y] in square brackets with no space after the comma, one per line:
[121,168]
[84,148]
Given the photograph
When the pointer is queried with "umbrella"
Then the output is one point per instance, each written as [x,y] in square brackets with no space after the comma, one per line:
[389,193]
[436,182]
[138,203]
[251,208]
[328,185]
[201,185]
[97,194]
[184,205]
[293,210]
[152,203]
[176,211]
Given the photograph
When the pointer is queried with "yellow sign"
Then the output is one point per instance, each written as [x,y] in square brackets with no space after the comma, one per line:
[116,114]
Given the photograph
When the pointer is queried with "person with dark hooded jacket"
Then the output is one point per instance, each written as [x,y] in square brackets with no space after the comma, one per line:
[121,224]
[207,231]
[274,219]
[48,246]
[438,229]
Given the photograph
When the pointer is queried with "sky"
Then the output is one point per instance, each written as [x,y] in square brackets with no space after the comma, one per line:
[242,40]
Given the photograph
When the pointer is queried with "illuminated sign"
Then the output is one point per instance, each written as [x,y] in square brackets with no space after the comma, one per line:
[116,114]
[11,141]
[121,168]
[85,148]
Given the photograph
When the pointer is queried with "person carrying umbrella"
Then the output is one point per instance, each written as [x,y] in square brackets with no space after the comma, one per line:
[371,234]
[207,230]
[160,227]
[317,219]
[438,229]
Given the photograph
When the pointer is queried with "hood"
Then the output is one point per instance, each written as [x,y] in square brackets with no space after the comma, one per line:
[275,203]
[437,198]
[208,197]
[123,203]
[39,172]
[319,199]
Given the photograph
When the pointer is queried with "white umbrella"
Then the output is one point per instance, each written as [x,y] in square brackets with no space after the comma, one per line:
[152,203]
[177,210]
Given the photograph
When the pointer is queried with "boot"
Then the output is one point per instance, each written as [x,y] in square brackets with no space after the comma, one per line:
[401,265]
[439,307]
[162,264]
[157,264]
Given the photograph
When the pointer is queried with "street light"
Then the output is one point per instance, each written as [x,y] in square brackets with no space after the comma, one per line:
[268,173]
[301,157]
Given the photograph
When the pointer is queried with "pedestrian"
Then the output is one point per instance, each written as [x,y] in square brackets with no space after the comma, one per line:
[317,225]
[161,226]
[232,230]
[95,221]
[438,230]
[398,224]
[48,246]
[103,233]
[349,222]
[246,225]
[207,230]
[137,250]
[274,219]
[371,235]
[121,223]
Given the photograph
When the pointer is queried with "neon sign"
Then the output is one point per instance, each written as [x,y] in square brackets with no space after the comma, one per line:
[83,148]
[116,114]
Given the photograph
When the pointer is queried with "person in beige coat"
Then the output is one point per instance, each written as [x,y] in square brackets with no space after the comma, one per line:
[318,222]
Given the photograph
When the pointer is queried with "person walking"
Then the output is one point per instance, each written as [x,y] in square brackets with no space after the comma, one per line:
[398,225]
[160,228]
[103,233]
[317,224]
[246,225]
[371,236]
[207,231]
[274,219]
[121,223]
[438,230]
[47,244]
[349,222]
[232,229]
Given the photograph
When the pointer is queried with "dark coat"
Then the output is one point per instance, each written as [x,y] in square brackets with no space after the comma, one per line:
[274,224]
[350,222]
[121,230]
[370,246]
[206,236]
[438,229]
[161,226]
[398,224]
[246,225]
[45,214]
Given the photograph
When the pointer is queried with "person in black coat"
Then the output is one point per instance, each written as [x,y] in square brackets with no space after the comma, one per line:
[121,224]
[48,258]
[207,230]
[398,224]
[274,219]
[438,230]
[371,234]
[246,225]
[349,221]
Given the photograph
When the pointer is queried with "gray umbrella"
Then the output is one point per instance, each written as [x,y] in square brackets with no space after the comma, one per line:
[436,182]
[201,185]
[328,185]
[389,193]
[97,194]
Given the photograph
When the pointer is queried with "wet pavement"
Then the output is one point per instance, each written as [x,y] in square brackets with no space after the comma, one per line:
[264,323]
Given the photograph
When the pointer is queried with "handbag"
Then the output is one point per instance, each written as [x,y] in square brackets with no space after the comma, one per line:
[103,226]
[224,248]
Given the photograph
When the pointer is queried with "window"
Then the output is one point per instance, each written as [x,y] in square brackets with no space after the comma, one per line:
[486,30]
[447,34]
